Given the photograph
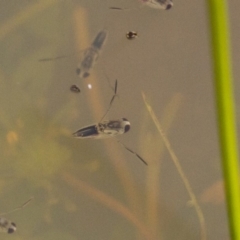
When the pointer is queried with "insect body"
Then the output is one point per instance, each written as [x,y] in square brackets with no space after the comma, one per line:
[89,59]
[91,55]
[104,129]
[99,40]
[8,226]
[107,128]
[159,4]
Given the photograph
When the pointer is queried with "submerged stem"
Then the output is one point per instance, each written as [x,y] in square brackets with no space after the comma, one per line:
[179,169]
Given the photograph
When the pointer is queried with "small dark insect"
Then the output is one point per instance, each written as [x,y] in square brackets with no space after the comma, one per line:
[75,89]
[131,35]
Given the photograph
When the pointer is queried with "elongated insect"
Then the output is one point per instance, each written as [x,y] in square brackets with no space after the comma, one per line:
[8,226]
[104,129]
[107,128]
[157,4]
[90,55]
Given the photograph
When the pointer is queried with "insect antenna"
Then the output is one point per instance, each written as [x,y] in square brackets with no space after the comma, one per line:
[119,8]
[131,151]
[111,102]
[18,208]
[60,57]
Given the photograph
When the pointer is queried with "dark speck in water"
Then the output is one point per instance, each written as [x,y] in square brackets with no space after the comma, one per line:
[75,89]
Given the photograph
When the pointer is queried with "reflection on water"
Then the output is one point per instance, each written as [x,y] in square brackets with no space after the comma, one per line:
[94,189]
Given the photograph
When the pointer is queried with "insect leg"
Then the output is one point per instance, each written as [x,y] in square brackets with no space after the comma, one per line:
[131,151]
[115,93]
[111,102]
[19,208]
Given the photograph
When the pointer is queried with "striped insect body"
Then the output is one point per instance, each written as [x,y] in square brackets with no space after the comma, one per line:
[159,4]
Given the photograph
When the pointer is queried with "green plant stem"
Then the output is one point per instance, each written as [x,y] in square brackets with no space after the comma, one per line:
[225,110]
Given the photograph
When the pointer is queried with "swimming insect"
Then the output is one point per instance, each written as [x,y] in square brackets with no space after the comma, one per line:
[104,129]
[90,55]
[158,4]
[107,128]
[6,225]
[131,35]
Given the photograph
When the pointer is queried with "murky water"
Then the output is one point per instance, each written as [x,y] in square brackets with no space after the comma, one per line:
[95,189]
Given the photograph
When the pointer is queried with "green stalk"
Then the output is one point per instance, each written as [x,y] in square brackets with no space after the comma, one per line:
[225,110]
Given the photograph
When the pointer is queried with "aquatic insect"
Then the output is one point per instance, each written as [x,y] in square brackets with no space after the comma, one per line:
[104,129]
[6,225]
[90,55]
[75,89]
[158,4]
[131,35]
[107,128]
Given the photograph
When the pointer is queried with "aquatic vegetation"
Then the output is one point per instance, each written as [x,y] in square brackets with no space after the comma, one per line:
[219,25]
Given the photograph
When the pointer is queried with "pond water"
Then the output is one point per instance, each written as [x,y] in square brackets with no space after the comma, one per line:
[96,189]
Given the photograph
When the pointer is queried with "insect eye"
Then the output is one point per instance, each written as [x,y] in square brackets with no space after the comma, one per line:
[11,230]
[169,6]
[126,128]
[131,35]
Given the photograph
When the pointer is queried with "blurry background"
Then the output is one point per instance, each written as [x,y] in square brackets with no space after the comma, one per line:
[95,189]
